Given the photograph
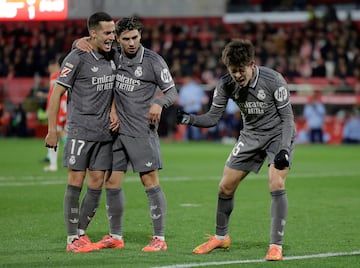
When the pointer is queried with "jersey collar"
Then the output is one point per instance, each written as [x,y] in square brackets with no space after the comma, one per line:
[99,56]
[137,59]
[254,81]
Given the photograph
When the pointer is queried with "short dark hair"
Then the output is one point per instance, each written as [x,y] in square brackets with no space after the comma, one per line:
[94,19]
[238,52]
[128,24]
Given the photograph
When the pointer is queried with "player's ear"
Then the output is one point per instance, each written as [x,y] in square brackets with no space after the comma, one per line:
[92,34]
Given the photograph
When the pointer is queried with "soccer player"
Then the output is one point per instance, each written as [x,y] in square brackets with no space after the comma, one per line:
[141,71]
[88,78]
[54,69]
[269,131]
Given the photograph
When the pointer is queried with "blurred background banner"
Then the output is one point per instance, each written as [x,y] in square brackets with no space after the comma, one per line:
[231,11]
[149,8]
[24,10]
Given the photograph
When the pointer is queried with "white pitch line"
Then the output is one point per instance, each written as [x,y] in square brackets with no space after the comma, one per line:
[45,180]
[217,263]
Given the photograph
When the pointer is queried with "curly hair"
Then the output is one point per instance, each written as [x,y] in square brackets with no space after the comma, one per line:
[238,52]
[128,24]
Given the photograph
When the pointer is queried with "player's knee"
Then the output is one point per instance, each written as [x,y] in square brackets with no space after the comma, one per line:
[226,190]
[76,179]
[149,179]
[95,182]
[276,185]
[113,182]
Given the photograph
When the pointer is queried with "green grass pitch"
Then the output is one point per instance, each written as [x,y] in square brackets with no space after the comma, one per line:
[324,211]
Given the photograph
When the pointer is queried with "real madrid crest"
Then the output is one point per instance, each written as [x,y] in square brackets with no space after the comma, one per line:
[138,72]
[261,94]
[72,160]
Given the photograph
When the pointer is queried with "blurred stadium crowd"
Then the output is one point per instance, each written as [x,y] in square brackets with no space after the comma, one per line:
[322,47]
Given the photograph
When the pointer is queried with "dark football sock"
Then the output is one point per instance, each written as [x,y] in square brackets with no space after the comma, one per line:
[115,208]
[279,209]
[224,209]
[71,209]
[157,207]
[88,207]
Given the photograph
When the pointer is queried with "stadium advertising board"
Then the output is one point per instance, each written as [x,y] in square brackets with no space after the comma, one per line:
[25,10]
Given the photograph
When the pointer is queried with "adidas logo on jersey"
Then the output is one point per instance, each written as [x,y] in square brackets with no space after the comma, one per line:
[148,164]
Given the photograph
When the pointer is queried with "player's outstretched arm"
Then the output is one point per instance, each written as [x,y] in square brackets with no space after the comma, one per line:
[182,117]
[83,44]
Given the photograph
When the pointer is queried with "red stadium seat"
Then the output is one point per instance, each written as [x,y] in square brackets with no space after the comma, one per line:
[18,89]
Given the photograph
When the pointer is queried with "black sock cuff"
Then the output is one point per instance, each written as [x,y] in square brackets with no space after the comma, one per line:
[153,190]
[73,188]
[278,192]
[95,191]
[225,197]
[113,191]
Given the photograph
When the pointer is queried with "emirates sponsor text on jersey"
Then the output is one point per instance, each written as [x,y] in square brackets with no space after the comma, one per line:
[104,82]
[253,107]
[126,83]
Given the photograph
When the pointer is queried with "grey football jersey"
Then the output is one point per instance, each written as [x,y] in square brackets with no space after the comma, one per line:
[89,78]
[264,104]
[137,81]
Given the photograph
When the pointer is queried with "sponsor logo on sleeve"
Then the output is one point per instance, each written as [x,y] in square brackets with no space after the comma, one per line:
[165,76]
[281,94]
[65,71]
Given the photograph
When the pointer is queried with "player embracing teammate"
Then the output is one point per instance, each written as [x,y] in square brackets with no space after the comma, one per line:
[140,72]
